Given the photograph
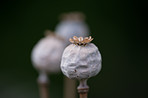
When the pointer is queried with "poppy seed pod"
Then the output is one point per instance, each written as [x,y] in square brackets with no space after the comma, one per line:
[47,53]
[81,59]
[72,25]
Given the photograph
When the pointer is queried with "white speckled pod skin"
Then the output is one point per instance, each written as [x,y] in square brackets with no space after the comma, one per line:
[81,62]
[47,53]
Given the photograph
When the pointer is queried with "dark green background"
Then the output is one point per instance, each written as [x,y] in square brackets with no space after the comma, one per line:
[119,30]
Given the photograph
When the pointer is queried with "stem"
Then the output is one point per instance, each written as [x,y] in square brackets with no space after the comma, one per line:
[43,85]
[83,88]
[69,88]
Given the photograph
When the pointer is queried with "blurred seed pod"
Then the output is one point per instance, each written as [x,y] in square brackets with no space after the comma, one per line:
[72,24]
[46,54]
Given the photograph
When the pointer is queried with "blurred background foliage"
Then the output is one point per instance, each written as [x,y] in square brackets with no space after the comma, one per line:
[119,30]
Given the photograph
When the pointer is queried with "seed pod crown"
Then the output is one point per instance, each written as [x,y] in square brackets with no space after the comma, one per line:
[80,40]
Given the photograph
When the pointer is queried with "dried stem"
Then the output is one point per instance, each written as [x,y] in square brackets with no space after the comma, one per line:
[43,85]
[69,88]
[83,88]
